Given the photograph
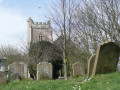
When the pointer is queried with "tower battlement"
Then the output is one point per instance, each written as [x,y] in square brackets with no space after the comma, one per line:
[38,31]
[41,23]
[33,24]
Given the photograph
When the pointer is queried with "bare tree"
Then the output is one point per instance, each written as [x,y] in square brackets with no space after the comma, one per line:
[86,23]
[12,53]
[61,17]
[96,21]
[44,51]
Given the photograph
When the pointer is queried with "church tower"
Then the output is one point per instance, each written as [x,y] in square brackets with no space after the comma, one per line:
[38,31]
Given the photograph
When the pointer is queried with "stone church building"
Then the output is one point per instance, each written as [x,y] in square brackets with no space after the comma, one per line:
[38,31]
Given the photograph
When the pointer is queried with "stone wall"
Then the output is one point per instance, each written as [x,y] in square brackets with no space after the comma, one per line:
[37,29]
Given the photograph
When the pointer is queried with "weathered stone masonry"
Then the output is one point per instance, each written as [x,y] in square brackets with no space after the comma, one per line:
[38,31]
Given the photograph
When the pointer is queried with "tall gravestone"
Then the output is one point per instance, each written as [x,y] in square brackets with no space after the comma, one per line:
[78,69]
[44,69]
[107,57]
[91,62]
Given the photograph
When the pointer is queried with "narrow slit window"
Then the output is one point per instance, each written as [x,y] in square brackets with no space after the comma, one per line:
[40,37]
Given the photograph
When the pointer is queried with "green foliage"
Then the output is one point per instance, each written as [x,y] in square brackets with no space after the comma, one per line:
[75,54]
[76,76]
[33,70]
[44,77]
[44,51]
[12,54]
[103,82]
[99,82]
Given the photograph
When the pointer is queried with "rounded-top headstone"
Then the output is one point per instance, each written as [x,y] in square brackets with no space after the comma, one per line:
[107,57]
[78,69]
[91,62]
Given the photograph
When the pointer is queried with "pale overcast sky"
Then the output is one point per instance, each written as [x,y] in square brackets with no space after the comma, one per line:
[14,15]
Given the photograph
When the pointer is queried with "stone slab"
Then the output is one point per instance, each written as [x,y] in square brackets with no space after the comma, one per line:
[44,69]
[78,69]
[107,57]
[91,62]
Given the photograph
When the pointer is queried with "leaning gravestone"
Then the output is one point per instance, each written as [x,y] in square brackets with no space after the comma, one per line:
[107,57]
[78,69]
[44,70]
[91,64]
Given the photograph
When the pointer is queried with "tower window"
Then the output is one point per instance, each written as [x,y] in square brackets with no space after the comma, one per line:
[40,37]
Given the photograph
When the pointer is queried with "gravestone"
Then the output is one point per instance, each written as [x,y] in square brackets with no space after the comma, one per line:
[24,69]
[44,70]
[78,69]
[118,67]
[107,57]
[91,62]
[3,77]
[2,63]
[20,68]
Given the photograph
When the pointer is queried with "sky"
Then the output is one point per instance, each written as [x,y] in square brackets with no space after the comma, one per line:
[14,15]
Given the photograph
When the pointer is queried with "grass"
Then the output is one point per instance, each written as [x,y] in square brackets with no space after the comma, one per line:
[99,82]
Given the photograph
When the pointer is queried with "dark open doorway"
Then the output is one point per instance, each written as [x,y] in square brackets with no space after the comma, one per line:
[57,66]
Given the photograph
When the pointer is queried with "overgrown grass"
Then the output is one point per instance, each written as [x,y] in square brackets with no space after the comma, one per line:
[103,82]
[99,82]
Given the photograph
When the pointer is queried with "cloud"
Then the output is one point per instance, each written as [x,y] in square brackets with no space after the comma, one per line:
[13,26]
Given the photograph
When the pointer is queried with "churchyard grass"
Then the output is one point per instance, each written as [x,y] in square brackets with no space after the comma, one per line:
[98,82]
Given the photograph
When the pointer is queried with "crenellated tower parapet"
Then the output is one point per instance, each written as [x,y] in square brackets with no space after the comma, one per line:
[38,31]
